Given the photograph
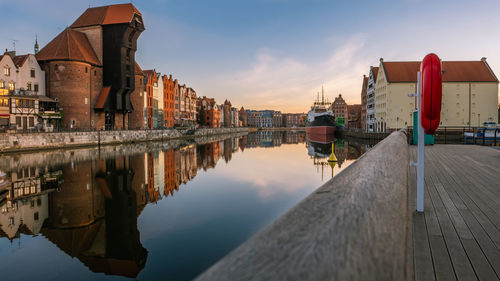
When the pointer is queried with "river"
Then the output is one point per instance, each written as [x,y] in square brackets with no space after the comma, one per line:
[152,211]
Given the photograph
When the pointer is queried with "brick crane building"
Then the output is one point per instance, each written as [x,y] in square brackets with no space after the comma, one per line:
[90,67]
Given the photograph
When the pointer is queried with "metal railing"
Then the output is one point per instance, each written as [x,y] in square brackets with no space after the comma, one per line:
[463,135]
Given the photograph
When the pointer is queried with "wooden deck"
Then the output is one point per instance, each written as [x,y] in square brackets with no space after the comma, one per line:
[458,235]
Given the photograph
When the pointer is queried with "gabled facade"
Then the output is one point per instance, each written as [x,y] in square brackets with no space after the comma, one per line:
[363,102]
[138,98]
[169,86]
[370,99]
[470,94]
[339,108]
[22,85]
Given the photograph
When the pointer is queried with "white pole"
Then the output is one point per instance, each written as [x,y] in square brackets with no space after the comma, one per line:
[421,145]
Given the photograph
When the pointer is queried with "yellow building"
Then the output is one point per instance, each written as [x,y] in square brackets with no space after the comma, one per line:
[470,94]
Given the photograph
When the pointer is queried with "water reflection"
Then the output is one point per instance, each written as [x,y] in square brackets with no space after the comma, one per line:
[319,149]
[89,208]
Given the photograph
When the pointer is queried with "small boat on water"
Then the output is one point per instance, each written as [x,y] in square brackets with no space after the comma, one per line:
[320,120]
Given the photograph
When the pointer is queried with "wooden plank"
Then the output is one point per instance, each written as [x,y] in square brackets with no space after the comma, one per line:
[424,269]
[440,256]
[461,265]
[481,251]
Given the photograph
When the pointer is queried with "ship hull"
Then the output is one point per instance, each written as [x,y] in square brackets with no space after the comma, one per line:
[321,134]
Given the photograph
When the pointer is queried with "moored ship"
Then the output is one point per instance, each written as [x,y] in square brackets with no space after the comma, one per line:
[320,120]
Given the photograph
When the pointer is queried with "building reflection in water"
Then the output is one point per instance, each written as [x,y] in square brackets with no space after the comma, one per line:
[89,209]
[345,152]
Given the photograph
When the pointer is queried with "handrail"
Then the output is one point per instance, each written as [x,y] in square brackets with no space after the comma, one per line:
[357,226]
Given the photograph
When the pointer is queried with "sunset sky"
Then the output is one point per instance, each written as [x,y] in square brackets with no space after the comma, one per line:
[276,54]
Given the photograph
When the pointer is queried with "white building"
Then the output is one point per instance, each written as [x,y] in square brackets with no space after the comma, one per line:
[22,83]
[370,99]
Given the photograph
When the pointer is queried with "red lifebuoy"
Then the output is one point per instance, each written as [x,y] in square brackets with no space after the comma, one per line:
[431,86]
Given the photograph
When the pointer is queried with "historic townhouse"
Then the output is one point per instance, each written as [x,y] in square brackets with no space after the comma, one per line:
[22,93]
[169,86]
[370,99]
[235,118]
[243,117]
[150,78]
[137,119]
[226,108]
[191,114]
[339,108]
[209,113]
[470,94]
[363,102]
[90,67]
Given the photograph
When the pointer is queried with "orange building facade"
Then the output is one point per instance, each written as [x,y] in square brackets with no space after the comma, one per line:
[169,86]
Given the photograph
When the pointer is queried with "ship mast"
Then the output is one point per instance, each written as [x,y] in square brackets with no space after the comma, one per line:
[322,95]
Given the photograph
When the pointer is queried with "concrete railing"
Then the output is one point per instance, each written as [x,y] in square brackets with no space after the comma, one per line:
[357,226]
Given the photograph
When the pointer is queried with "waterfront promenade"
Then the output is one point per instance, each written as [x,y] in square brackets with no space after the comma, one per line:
[458,235]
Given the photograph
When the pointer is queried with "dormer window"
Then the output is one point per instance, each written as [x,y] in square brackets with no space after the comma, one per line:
[6,71]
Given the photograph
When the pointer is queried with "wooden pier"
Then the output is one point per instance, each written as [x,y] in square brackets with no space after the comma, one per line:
[458,235]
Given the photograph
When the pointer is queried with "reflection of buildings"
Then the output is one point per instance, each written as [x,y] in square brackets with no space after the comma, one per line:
[94,215]
[24,200]
[90,209]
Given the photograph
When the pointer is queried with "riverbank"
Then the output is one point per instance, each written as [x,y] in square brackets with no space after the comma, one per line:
[26,142]
[279,129]
[365,135]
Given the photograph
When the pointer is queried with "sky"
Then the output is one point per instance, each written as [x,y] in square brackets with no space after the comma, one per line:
[278,54]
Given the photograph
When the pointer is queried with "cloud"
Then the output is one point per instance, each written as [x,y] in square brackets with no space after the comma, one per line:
[290,83]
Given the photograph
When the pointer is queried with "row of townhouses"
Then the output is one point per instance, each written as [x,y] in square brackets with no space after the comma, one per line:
[87,78]
[470,95]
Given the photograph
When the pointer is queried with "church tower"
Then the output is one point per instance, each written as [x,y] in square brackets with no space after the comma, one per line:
[37,48]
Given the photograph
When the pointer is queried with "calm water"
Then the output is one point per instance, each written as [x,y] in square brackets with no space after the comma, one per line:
[149,211]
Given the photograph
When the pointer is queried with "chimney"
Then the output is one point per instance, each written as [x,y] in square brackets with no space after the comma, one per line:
[381,59]
[483,59]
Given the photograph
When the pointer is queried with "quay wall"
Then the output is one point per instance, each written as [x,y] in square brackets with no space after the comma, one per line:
[364,135]
[38,141]
[357,226]
[54,157]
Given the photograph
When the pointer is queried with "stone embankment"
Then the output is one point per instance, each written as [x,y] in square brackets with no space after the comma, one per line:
[54,157]
[39,141]
[357,226]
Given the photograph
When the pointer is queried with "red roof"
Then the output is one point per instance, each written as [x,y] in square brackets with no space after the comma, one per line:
[138,69]
[101,99]
[20,60]
[375,73]
[113,14]
[454,71]
[69,45]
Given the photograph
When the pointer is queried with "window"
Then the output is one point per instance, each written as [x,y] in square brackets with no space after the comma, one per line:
[86,70]
[2,84]
[11,220]
[6,71]
[35,216]
[86,101]
[32,73]
[11,86]
[95,72]
[32,122]
[36,88]
[28,86]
